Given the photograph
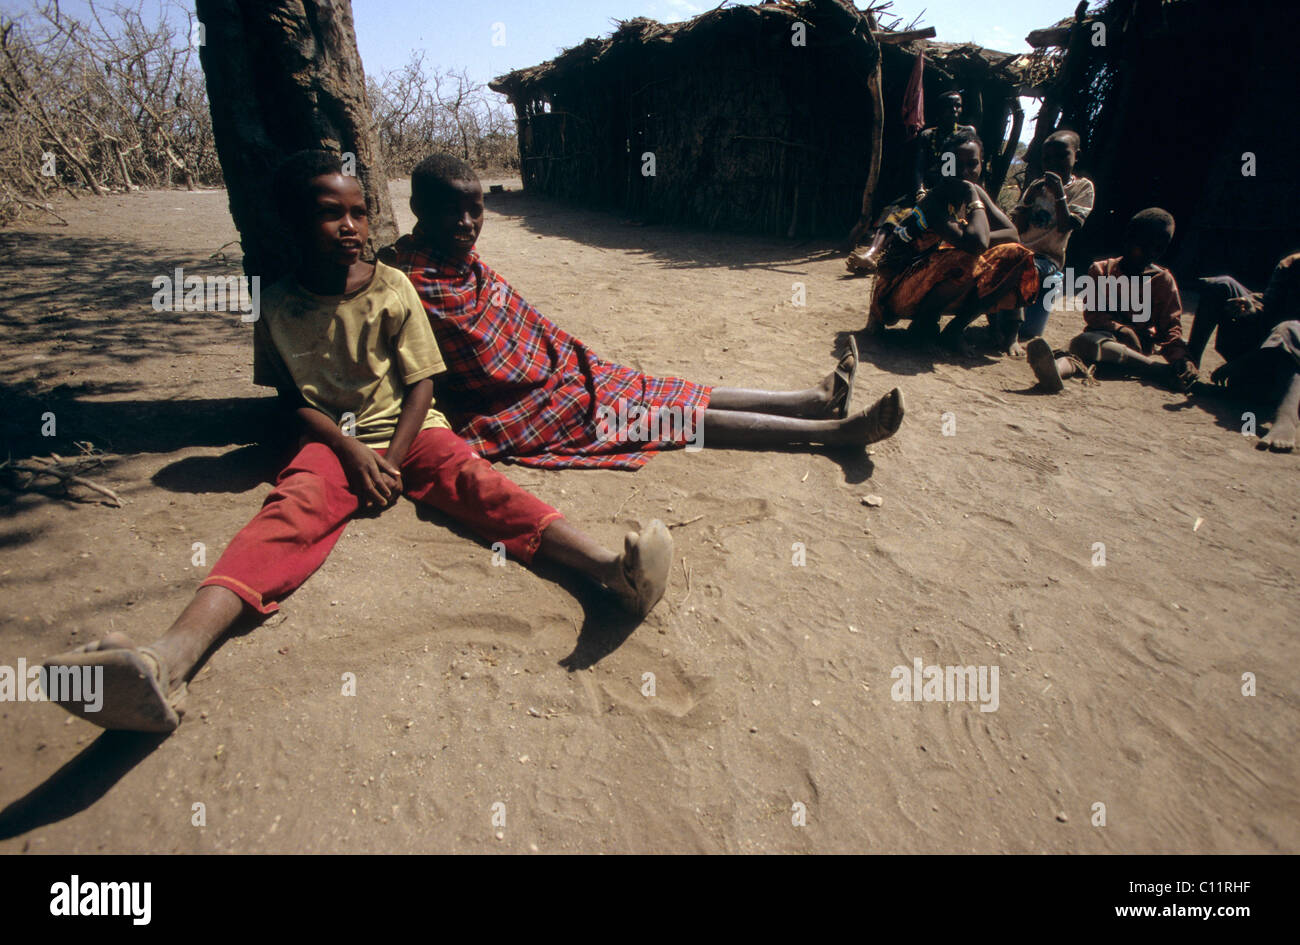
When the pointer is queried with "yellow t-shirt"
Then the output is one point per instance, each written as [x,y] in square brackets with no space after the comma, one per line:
[354,353]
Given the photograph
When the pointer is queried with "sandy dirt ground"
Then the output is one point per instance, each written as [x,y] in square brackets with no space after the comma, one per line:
[479,686]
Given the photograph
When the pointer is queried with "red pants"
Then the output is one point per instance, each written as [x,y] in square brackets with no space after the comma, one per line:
[305,514]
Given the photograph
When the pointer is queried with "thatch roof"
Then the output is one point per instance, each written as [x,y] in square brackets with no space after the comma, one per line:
[948,59]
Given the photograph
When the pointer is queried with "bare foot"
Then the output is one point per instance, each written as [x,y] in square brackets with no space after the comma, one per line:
[118,685]
[1013,349]
[642,575]
[861,262]
[878,422]
[1281,436]
[954,341]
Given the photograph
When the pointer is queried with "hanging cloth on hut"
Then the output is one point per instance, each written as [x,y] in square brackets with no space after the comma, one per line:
[914,99]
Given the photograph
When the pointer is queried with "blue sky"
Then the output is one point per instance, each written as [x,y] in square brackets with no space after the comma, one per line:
[460,35]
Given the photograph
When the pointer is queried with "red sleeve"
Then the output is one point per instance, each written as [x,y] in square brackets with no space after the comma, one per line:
[1168,312]
[1096,320]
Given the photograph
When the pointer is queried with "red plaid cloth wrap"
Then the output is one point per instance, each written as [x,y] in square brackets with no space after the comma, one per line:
[520,389]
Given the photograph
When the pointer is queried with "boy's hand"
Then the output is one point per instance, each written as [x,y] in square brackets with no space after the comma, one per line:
[372,478]
[1054,183]
[1186,373]
[1244,306]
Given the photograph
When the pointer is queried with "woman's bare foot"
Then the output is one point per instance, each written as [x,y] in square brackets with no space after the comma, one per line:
[1013,349]
[878,422]
[1282,432]
[954,340]
[132,685]
[640,576]
[862,262]
[1281,436]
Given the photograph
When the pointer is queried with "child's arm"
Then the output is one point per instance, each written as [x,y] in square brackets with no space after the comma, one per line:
[1282,293]
[1060,205]
[1001,229]
[973,237]
[1098,319]
[1020,212]
[1168,318]
[372,477]
[415,407]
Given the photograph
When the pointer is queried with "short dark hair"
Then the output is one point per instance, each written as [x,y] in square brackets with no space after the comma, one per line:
[1068,135]
[291,183]
[1152,228]
[433,177]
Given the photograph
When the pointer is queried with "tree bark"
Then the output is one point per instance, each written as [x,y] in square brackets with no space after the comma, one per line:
[1050,113]
[997,175]
[284,75]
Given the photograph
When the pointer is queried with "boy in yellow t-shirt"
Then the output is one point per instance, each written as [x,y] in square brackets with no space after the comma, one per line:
[348,347]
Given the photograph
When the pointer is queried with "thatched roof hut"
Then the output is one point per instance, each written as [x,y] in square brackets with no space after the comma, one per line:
[1172,98]
[766,118]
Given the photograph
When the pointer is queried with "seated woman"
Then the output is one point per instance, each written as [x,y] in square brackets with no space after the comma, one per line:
[955,253]
[519,388]
[929,148]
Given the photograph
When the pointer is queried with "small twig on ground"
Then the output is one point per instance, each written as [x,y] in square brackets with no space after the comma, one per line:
[685,522]
[686,568]
[626,499]
[65,470]
[219,255]
[30,205]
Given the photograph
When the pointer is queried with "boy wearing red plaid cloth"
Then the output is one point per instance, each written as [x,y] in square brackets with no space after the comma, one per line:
[348,347]
[520,388]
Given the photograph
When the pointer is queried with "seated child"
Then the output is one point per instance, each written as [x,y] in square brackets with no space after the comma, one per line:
[1132,310]
[928,149]
[520,388]
[1273,371]
[348,347]
[1244,318]
[965,259]
[1049,211]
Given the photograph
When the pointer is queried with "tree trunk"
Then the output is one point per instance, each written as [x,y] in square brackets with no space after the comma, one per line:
[284,75]
[997,174]
[1076,52]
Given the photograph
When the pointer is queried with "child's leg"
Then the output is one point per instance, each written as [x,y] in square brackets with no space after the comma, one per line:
[298,525]
[1034,322]
[1281,437]
[443,471]
[1008,326]
[1211,308]
[732,428]
[829,399]
[1093,347]
[1120,354]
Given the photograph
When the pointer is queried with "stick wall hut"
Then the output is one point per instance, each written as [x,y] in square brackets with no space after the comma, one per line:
[1187,105]
[751,118]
